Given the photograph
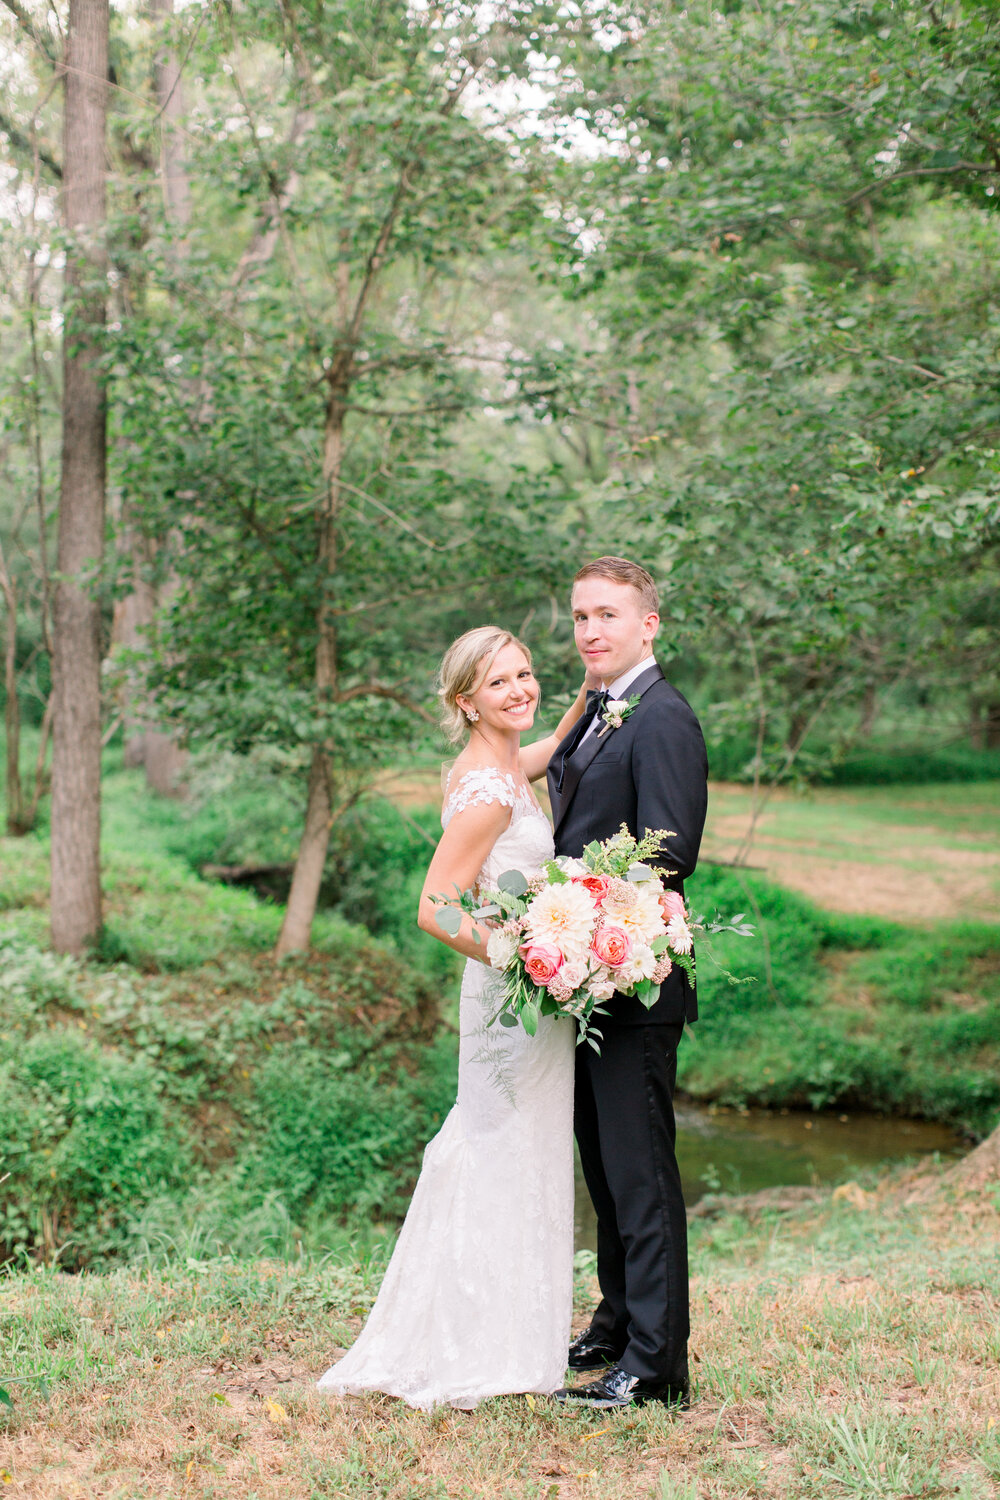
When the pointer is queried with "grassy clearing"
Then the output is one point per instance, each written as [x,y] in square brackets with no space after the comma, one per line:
[913,853]
[851,1349]
[916,854]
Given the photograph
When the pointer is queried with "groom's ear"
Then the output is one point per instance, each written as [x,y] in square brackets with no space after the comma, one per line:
[650,625]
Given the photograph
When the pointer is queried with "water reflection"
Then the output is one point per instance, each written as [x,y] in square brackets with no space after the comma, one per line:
[730,1151]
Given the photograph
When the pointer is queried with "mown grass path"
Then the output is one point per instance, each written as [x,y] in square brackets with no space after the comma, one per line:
[914,854]
[851,1350]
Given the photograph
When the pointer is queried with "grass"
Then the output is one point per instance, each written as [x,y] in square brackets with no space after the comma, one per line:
[914,853]
[848,1349]
[840,1351]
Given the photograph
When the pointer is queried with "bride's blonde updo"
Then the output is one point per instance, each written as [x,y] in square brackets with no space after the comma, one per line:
[465,663]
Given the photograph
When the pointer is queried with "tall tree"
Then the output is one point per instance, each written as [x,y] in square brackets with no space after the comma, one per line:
[791,244]
[76,763]
[147,744]
[327,336]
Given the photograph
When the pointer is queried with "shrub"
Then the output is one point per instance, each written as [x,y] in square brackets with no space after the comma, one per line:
[731,758]
[327,1137]
[85,1143]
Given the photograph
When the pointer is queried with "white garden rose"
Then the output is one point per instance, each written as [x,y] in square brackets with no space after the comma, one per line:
[601,986]
[574,972]
[563,916]
[501,948]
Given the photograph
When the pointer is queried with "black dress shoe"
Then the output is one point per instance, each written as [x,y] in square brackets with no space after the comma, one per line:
[589,1351]
[617,1388]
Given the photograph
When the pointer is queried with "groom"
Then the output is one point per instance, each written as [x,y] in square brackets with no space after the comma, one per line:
[650,773]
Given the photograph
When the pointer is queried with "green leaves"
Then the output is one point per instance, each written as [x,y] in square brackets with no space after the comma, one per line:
[449,919]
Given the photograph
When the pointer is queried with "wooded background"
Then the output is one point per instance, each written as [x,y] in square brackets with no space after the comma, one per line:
[331,329]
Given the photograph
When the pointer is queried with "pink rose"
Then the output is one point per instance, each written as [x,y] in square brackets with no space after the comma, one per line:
[672,905]
[597,885]
[610,946]
[541,960]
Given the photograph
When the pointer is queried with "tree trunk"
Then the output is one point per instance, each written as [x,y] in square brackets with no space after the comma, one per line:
[869,710]
[155,749]
[991,733]
[133,618]
[12,708]
[301,908]
[76,753]
[297,925]
[302,898]
[164,757]
[170,99]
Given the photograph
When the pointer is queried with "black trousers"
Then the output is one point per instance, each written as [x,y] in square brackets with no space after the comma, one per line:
[624,1122]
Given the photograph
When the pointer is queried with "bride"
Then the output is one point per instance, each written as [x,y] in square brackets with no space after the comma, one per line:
[476,1299]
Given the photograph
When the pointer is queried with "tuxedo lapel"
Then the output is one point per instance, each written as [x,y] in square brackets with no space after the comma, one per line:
[578,759]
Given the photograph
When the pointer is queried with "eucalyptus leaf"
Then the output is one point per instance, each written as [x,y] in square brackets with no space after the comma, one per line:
[513,882]
[449,920]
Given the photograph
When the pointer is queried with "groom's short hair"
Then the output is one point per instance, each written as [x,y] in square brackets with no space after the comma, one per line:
[620,570]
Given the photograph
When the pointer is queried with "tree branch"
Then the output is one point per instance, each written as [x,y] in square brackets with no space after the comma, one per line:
[41,38]
[22,142]
[382,690]
[884,182]
[413,411]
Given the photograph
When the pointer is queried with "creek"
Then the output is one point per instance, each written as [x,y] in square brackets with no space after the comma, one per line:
[735,1151]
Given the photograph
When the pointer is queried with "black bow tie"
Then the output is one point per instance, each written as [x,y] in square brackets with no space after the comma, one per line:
[596,699]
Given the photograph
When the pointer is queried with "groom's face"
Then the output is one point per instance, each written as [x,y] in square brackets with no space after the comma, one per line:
[612,628]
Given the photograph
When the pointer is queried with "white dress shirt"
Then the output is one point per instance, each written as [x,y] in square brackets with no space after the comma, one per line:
[619,689]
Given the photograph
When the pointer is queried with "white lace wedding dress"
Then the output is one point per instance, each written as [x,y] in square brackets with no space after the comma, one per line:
[476,1300]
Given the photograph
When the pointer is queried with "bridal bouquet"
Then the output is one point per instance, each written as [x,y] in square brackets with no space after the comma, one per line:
[567,939]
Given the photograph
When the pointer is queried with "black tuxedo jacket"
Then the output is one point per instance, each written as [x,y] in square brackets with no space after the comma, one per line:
[650,773]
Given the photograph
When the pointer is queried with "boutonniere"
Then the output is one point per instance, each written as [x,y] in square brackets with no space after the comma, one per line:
[616,711]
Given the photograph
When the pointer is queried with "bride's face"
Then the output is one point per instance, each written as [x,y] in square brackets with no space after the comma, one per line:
[507,695]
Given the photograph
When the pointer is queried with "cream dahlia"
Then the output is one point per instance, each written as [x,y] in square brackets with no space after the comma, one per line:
[644,919]
[562,915]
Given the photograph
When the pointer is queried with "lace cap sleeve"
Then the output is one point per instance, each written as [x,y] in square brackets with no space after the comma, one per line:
[478,787]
